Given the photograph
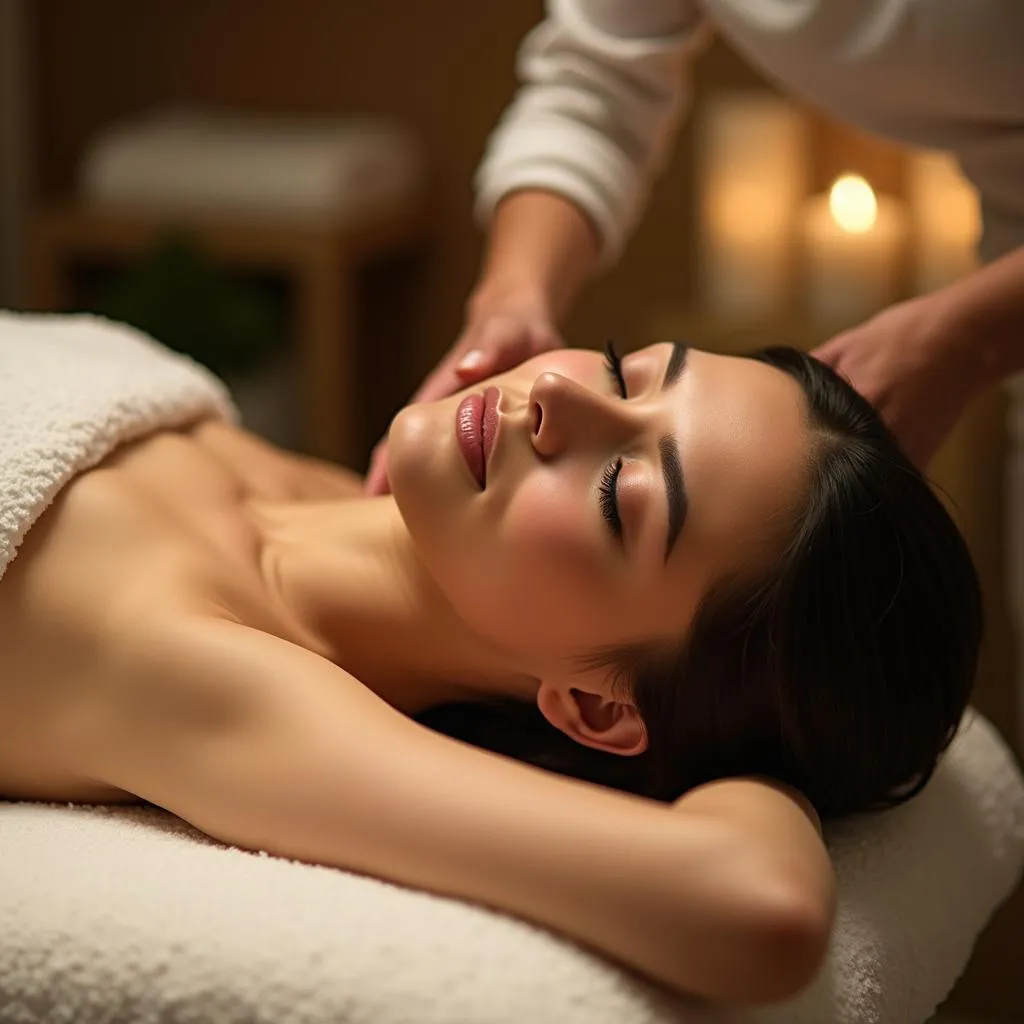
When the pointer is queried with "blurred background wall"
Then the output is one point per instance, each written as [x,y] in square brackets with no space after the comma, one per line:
[15,141]
[444,70]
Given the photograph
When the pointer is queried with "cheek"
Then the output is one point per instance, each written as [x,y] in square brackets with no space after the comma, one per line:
[546,525]
[552,584]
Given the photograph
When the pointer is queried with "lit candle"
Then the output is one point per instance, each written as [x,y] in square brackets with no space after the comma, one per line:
[852,244]
[751,176]
[947,222]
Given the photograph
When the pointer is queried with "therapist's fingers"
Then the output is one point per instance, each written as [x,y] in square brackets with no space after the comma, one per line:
[448,378]
[444,381]
[505,349]
[496,345]
[376,482]
[832,352]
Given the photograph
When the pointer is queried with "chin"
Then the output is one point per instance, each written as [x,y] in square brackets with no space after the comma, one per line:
[424,475]
[413,442]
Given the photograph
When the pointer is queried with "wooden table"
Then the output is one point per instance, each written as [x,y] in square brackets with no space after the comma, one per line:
[320,260]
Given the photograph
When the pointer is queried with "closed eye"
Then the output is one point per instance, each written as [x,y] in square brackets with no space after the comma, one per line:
[613,364]
[608,492]
[608,498]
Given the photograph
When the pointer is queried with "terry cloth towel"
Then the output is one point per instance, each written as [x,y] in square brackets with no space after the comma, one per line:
[128,914]
[74,388]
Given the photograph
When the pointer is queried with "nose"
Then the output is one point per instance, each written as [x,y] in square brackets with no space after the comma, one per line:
[566,415]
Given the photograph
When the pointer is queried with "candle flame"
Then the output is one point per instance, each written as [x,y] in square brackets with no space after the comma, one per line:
[852,203]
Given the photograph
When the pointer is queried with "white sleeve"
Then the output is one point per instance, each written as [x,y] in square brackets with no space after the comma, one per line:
[605,83]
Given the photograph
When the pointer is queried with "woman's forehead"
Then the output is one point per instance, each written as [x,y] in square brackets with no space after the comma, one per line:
[744,448]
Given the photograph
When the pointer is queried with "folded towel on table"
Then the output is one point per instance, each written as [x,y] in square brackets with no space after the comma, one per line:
[73,388]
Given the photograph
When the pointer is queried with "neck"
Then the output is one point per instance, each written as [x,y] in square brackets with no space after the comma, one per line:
[350,573]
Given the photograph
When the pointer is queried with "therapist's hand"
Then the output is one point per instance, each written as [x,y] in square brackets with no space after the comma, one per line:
[500,333]
[914,367]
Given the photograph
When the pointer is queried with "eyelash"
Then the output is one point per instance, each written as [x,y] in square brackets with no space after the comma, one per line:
[608,497]
[613,364]
[609,501]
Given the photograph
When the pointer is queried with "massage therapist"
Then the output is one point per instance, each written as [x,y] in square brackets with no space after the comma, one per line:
[568,169]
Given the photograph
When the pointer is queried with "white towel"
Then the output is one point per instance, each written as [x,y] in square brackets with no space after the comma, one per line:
[128,914]
[73,388]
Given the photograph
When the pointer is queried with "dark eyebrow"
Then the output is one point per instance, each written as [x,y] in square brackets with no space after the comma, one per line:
[675,489]
[676,364]
[668,449]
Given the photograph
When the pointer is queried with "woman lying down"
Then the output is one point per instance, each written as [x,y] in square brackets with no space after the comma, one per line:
[701,602]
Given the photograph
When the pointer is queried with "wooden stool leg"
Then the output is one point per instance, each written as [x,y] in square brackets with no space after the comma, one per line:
[325,339]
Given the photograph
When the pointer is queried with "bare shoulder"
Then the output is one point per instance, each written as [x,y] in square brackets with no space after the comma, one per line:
[200,663]
[194,682]
[269,470]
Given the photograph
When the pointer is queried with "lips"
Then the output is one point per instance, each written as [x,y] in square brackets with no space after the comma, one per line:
[476,426]
[489,423]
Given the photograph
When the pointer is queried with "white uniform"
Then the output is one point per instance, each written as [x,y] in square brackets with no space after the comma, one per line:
[607,81]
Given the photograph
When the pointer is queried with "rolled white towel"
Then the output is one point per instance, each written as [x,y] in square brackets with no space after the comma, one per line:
[129,914]
[72,389]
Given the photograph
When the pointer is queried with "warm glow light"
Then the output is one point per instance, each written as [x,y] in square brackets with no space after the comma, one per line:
[852,204]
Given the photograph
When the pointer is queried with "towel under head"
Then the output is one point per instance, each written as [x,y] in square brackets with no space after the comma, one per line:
[130,914]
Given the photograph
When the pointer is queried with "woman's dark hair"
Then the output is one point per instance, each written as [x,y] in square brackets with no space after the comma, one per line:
[843,672]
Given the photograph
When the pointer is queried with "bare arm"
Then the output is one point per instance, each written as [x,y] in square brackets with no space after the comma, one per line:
[921,361]
[541,251]
[568,169]
[985,317]
[603,87]
[266,746]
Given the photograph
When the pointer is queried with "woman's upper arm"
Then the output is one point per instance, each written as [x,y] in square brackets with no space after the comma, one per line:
[267,746]
[231,728]
[783,824]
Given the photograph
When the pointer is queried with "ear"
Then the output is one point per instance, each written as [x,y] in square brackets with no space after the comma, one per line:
[593,719]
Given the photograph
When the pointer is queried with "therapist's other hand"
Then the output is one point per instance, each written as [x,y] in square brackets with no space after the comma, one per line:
[499,334]
[913,367]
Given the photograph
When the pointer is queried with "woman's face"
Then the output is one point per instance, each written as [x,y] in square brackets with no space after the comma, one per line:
[604,517]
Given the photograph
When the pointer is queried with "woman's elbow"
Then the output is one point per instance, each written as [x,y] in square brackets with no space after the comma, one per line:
[788,942]
[794,942]
[766,946]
